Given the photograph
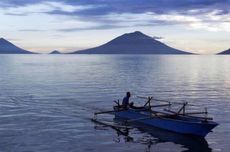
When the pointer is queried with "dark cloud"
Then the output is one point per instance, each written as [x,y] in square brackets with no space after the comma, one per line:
[16,14]
[13,39]
[103,7]
[142,6]
[158,37]
[30,30]
[107,26]
[97,11]
[17,3]
[100,27]
[223,12]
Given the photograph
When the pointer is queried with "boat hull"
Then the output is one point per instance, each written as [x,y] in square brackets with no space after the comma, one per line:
[192,127]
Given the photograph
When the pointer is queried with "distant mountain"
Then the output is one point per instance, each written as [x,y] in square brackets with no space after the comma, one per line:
[8,48]
[55,52]
[132,43]
[225,52]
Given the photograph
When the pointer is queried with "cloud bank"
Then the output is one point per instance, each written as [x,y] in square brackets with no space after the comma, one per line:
[211,15]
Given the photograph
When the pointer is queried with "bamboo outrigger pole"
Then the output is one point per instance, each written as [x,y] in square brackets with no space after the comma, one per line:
[110,111]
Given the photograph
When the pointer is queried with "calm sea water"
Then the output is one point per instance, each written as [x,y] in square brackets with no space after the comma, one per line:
[46,101]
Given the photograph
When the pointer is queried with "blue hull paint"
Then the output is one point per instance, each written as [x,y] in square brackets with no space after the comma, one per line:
[190,126]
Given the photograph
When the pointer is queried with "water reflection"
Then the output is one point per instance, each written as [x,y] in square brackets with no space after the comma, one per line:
[155,136]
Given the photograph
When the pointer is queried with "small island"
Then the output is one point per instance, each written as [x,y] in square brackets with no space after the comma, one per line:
[55,52]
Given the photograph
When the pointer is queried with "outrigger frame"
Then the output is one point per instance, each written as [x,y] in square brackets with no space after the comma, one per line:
[149,108]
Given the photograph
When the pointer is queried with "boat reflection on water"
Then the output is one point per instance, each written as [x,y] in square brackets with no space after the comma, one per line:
[156,136]
[191,143]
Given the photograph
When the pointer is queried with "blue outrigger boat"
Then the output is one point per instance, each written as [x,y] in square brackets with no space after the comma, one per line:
[179,121]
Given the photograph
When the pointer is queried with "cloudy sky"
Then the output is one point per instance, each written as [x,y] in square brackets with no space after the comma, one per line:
[200,26]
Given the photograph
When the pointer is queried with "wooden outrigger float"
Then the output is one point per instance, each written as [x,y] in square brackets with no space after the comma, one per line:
[161,116]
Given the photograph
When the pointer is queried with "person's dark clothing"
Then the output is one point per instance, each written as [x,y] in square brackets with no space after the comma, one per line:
[125,102]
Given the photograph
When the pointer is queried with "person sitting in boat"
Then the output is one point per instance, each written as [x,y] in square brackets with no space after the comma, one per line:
[125,101]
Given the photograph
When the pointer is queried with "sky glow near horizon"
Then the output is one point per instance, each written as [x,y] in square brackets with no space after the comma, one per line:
[70,25]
